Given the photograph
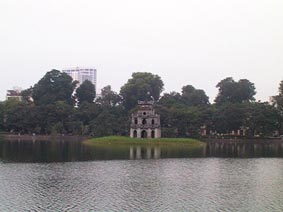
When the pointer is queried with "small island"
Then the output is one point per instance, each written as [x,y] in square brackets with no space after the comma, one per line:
[123,140]
[121,147]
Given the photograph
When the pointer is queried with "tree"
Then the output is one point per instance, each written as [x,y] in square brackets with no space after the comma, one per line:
[54,86]
[86,92]
[235,92]
[108,97]
[27,95]
[53,118]
[194,97]
[142,86]
[17,116]
[87,112]
[172,99]
[261,119]
[278,99]
[110,121]
[2,115]
[228,117]
[278,103]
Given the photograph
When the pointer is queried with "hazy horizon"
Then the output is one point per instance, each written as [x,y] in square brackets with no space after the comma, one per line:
[184,42]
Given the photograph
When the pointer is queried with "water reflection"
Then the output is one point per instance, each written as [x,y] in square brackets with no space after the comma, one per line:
[41,151]
[66,151]
[245,148]
[74,150]
[137,152]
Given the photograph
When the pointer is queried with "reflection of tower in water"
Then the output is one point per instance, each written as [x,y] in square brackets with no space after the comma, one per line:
[138,152]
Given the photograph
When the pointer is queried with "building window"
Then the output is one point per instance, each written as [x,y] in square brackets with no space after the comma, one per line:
[152,121]
[144,121]
[136,121]
[152,134]
[144,134]
[135,134]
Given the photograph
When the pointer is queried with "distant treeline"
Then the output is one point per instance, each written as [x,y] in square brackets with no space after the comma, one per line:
[55,106]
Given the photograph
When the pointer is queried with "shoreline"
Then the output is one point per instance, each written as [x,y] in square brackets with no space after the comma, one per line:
[122,141]
[87,139]
[244,140]
[13,137]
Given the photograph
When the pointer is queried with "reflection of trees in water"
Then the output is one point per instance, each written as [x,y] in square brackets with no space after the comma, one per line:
[245,148]
[64,151]
[41,151]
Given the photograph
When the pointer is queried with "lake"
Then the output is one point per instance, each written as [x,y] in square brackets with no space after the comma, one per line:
[67,176]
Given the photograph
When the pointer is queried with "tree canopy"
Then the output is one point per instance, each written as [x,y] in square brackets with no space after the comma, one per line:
[278,103]
[172,99]
[194,97]
[54,86]
[235,92]
[278,99]
[86,92]
[182,114]
[108,97]
[142,86]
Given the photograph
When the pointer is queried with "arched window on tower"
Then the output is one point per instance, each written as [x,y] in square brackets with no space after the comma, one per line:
[152,134]
[144,134]
[144,121]
[135,134]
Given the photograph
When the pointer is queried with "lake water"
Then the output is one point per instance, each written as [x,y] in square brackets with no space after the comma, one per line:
[68,151]
[32,180]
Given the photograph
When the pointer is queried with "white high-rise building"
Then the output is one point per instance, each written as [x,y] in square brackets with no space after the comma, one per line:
[82,74]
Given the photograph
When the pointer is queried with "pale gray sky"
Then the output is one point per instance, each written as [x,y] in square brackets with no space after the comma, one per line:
[197,42]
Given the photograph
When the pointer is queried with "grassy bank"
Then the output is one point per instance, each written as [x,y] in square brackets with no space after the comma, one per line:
[120,140]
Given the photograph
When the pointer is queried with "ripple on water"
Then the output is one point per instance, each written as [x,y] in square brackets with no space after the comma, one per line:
[145,185]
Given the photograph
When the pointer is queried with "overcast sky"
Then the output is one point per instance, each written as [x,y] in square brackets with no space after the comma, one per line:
[197,42]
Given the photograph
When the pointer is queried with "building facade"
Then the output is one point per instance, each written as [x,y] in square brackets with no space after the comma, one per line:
[82,74]
[145,123]
[14,93]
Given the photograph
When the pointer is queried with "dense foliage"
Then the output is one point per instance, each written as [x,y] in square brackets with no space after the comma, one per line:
[86,92]
[235,92]
[54,86]
[142,86]
[49,107]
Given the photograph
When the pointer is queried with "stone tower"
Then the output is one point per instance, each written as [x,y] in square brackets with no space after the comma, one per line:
[145,122]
